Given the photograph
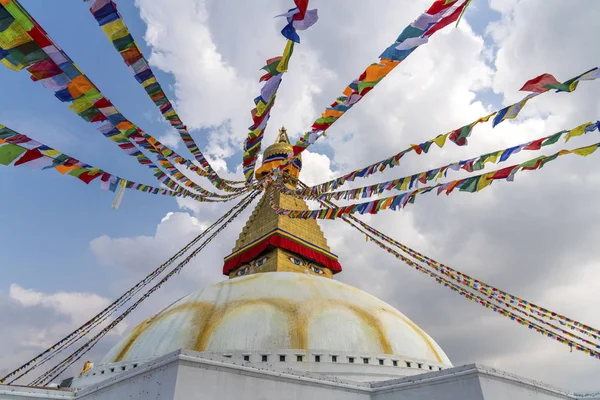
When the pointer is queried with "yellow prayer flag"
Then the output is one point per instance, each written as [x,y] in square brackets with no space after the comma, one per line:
[81,104]
[261,107]
[485,181]
[14,36]
[441,140]
[115,29]
[493,158]
[149,82]
[580,130]
[585,151]
[9,65]
[405,182]
[487,117]
[285,58]
[50,152]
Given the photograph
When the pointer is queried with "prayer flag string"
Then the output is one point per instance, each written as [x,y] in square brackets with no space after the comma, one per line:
[484,288]
[299,18]
[82,331]
[111,21]
[77,354]
[471,185]
[17,149]
[439,15]
[471,165]
[539,85]
[500,308]
[24,44]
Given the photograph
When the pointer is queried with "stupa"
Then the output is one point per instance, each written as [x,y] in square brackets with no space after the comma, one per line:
[282,327]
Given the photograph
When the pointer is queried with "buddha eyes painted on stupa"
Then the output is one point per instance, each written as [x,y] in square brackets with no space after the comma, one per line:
[316,270]
[243,271]
[260,262]
[296,261]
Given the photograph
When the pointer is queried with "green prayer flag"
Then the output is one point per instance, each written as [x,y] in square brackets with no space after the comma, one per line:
[531,163]
[470,185]
[553,139]
[19,15]
[9,153]
[548,159]
[77,172]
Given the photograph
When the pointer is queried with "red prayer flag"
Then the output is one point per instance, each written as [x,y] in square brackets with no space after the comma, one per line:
[87,177]
[302,6]
[447,20]
[438,6]
[537,84]
[29,155]
[44,69]
[535,145]
[102,103]
[503,173]
[417,148]
[39,37]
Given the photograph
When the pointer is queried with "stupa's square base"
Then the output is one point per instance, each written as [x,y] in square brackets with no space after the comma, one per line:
[184,375]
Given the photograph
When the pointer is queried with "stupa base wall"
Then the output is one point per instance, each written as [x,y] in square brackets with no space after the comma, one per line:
[184,375]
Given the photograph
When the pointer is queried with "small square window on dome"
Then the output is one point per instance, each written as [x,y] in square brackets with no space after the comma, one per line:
[264,358]
[246,358]
[317,358]
[334,359]
[351,360]
[282,357]
[380,361]
[299,358]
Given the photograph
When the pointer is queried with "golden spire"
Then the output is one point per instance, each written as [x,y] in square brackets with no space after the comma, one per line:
[270,242]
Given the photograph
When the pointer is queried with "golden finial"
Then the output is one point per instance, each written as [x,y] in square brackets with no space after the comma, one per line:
[282,137]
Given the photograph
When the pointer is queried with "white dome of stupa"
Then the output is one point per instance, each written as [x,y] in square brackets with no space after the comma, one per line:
[278,313]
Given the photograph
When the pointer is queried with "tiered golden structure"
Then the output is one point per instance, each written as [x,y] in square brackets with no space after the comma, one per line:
[270,242]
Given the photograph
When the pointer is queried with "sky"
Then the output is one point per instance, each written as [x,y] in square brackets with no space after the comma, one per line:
[66,253]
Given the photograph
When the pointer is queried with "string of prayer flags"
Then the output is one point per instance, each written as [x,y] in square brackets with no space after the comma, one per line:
[111,21]
[17,149]
[299,18]
[470,165]
[501,308]
[84,329]
[439,15]
[482,287]
[70,85]
[458,136]
[63,365]
[471,184]
[539,85]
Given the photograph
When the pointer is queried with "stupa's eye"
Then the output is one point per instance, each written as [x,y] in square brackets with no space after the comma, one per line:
[296,261]
[260,262]
[316,270]
[243,271]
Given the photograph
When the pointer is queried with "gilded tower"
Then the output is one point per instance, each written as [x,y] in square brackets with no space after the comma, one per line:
[270,242]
